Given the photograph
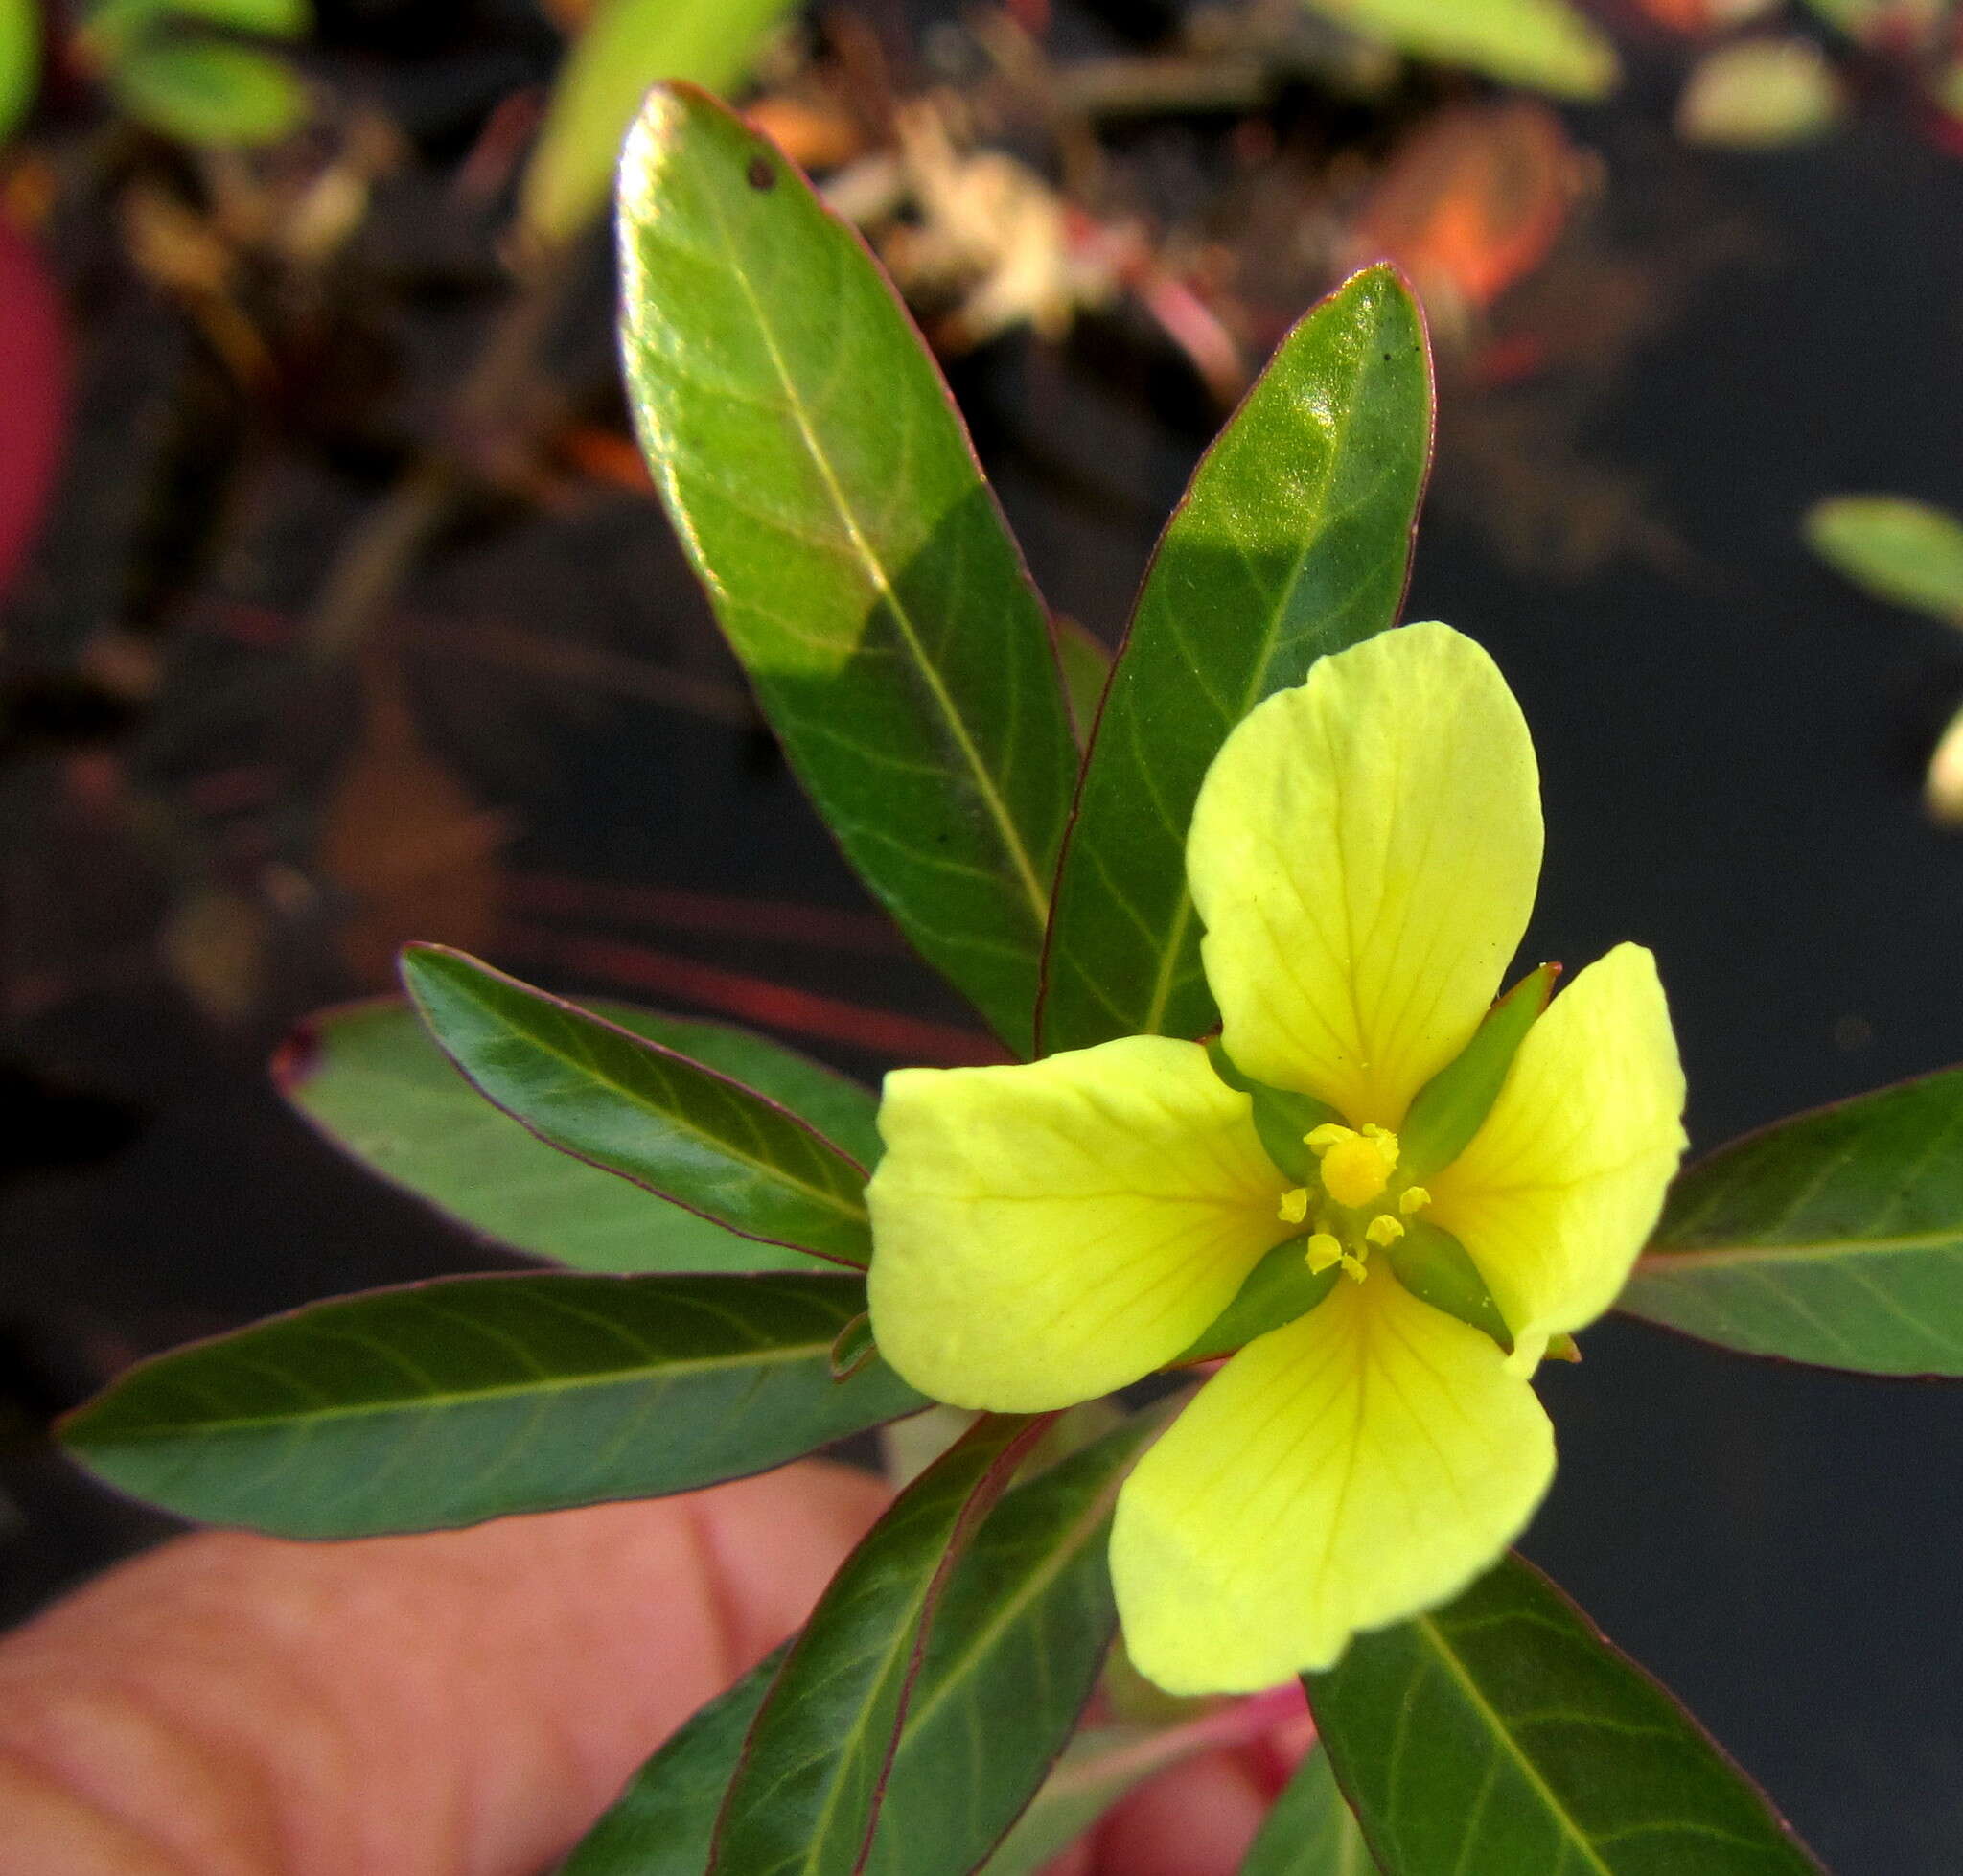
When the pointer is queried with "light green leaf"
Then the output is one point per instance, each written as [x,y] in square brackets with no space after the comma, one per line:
[806,1792]
[1909,552]
[628,47]
[632,1108]
[823,487]
[1760,94]
[1505,1734]
[371,1078]
[1086,665]
[210,91]
[1545,45]
[1011,1658]
[115,24]
[447,1403]
[20,61]
[1835,1237]
[1293,540]
[1310,1831]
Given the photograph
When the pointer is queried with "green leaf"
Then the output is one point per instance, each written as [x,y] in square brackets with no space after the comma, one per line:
[1011,1658]
[113,25]
[1277,1291]
[1835,1237]
[1452,1106]
[1086,665]
[627,47]
[371,1078]
[1096,1770]
[447,1403]
[630,1106]
[210,91]
[662,1824]
[1310,1831]
[1760,94]
[1504,1733]
[20,61]
[1545,45]
[1293,540]
[824,489]
[1907,552]
[806,1794]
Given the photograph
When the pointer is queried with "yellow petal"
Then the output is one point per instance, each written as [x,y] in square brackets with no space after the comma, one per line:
[1363,853]
[1559,1189]
[1356,1467]
[1045,1233]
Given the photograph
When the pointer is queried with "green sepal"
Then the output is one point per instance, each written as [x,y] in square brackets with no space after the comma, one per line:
[1284,1120]
[1278,1289]
[854,1347]
[1452,1106]
[1435,1268]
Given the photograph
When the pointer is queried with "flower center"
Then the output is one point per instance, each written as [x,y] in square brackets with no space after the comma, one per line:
[1356,1207]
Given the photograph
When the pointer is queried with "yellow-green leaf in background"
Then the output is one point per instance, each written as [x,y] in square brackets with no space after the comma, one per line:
[1544,45]
[1909,552]
[210,91]
[1759,93]
[20,59]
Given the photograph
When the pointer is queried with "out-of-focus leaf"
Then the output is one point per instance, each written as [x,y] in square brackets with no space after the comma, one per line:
[662,1826]
[1310,1831]
[1293,540]
[1758,94]
[210,91]
[1909,552]
[1099,1768]
[1881,22]
[1010,1660]
[1835,1237]
[628,47]
[115,24]
[20,59]
[371,1079]
[806,1794]
[1545,45]
[822,483]
[1504,1733]
[447,1403]
[632,1108]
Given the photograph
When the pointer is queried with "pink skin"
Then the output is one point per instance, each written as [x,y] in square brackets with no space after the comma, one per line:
[465,1703]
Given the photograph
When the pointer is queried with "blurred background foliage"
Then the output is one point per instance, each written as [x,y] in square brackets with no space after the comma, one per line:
[339,613]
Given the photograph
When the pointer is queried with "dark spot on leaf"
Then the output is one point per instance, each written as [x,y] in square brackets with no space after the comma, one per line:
[760,174]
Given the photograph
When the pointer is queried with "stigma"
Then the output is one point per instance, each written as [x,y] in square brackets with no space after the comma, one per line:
[1357,1209]
[1356,1164]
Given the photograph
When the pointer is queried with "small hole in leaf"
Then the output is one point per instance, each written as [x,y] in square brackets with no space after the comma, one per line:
[760,174]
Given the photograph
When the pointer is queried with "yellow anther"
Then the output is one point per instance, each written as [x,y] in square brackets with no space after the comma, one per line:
[1322,1252]
[1354,1268]
[1415,1198]
[1383,1230]
[1294,1206]
[1356,1166]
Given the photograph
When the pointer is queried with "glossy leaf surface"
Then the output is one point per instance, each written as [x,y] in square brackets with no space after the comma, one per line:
[1310,1831]
[630,1106]
[824,489]
[447,1403]
[210,91]
[805,1795]
[1835,1237]
[1504,1733]
[1293,540]
[1907,552]
[627,46]
[1546,45]
[371,1078]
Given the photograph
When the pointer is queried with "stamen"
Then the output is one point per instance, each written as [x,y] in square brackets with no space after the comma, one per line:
[1294,1206]
[1415,1199]
[1323,1251]
[1383,1230]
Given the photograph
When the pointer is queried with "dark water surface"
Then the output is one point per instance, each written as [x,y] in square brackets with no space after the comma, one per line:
[1731,744]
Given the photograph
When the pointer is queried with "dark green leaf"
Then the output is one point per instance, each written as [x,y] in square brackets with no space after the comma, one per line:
[626,47]
[1099,1768]
[1278,1289]
[662,1823]
[1310,1831]
[853,1347]
[1505,1734]
[631,1106]
[1433,1265]
[1452,1106]
[1897,549]
[1283,1118]
[1836,1238]
[369,1076]
[1293,540]
[1547,45]
[805,1797]
[821,484]
[210,91]
[447,1403]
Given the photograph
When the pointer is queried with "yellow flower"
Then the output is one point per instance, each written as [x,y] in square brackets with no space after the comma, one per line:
[1363,856]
